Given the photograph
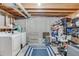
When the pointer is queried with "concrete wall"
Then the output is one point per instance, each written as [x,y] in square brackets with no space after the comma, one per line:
[36,25]
[2,20]
[22,23]
[7,20]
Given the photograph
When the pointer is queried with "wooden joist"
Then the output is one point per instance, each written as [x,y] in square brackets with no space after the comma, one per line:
[51,9]
[62,11]
[54,6]
[48,14]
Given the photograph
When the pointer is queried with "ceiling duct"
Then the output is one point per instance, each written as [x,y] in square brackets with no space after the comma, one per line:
[23,10]
[17,8]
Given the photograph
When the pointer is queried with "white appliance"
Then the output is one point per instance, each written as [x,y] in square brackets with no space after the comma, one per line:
[10,44]
[23,40]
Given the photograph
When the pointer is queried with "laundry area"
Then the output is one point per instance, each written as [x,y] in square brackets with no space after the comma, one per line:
[39,29]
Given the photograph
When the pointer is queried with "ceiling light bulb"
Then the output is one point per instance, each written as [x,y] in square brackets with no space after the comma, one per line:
[39,4]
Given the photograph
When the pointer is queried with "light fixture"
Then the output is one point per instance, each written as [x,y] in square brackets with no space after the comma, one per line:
[39,4]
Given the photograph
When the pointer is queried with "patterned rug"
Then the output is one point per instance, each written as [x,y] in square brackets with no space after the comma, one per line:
[39,51]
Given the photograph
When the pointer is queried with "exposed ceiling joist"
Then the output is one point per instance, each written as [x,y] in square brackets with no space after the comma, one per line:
[45,9]
[48,14]
[7,9]
[12,8]
[52,6]
[51,9]
[73,15]
[62,11]
[23,9]
[6,13]
[17,10]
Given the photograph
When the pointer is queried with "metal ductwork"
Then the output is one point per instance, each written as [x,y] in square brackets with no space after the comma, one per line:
[19,8]
[23,10]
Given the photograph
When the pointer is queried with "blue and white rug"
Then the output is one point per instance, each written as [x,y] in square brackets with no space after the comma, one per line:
[39,51]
